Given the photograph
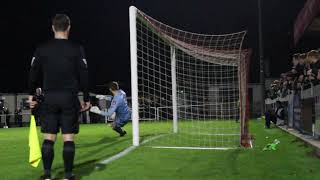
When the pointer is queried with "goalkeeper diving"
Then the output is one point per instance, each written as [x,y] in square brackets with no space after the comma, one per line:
[119,106]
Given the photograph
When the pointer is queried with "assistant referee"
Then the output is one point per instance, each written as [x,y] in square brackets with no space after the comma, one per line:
[59,67]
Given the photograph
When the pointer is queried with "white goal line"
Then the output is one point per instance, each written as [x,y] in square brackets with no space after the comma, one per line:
[194,148]
[210,134]
[125,152]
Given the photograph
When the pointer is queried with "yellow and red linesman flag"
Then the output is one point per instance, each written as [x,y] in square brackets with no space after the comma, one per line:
[34,146]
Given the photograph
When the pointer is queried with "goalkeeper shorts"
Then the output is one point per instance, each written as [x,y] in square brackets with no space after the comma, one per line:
[120,122]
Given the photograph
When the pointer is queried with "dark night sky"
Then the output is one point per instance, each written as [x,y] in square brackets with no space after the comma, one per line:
[102,28]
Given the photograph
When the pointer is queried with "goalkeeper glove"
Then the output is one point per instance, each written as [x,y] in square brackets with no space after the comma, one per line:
[95,109]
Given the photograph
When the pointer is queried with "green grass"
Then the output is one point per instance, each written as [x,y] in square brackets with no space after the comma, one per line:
[200,133]
[292,160]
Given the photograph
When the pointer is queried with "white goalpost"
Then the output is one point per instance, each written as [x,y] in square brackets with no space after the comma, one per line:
[188,89]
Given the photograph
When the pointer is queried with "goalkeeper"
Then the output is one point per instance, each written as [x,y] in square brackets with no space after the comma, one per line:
[119,106]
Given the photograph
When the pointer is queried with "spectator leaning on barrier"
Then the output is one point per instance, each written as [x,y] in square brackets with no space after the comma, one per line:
[305,71]
[284,85]
[275,87]
[300,68]
[313,58]
[307,67]
[295,62]
[294,70]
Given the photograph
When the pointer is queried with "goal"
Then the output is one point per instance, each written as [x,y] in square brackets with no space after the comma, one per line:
[189,90]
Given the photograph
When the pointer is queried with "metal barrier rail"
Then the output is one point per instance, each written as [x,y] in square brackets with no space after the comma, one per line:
[12,114]
[303,108]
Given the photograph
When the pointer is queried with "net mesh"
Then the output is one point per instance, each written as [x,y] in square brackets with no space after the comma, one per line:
[192,88]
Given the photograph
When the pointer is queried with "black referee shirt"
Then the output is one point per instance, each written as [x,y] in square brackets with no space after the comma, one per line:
[59,65]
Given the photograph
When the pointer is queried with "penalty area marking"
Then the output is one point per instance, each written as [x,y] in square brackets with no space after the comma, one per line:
[124,152]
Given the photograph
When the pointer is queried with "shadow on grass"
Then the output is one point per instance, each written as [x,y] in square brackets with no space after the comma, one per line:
[299,142]
[101,141]
[82,169]
[86,168]
[314,153]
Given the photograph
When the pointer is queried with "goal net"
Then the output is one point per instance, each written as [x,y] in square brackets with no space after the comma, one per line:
[189,90]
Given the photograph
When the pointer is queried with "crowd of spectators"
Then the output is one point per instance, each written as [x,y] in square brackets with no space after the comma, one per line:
[304,73]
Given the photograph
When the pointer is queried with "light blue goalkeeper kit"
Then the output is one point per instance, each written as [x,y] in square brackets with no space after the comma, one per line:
[119,105]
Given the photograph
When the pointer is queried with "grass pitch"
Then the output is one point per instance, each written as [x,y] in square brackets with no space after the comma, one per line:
[292,160]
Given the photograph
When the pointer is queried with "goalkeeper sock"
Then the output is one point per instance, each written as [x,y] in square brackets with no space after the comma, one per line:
[47,156]
[68,157]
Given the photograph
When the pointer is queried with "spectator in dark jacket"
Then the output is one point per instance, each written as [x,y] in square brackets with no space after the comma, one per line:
[295,63]
[313,58]
[18,117]
[270,117]
[300,70]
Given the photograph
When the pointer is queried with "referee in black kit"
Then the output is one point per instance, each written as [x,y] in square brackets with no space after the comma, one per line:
[60,68]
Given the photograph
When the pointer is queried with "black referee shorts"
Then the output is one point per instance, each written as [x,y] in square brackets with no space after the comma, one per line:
[60,110]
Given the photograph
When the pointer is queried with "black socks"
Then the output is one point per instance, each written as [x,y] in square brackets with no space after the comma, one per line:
[47,156]
[68,157]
